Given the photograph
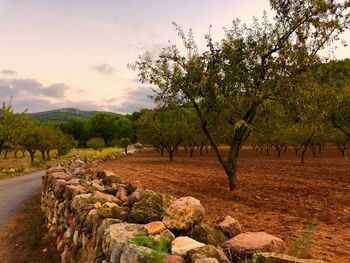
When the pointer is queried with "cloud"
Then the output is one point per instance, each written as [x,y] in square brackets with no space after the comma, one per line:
[104,69]
[30,87]
[55,90]
[135,100]
[8,72]
[32,95]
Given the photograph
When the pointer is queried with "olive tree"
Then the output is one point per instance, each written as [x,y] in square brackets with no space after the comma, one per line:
[227,83]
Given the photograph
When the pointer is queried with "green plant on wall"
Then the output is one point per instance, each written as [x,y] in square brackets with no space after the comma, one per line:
[159,248]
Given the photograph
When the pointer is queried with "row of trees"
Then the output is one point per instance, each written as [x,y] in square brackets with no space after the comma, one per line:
[109,128]
[19,133]
[268,64]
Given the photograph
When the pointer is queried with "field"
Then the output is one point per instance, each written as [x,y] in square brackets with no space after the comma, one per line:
[22,164]
[277,196]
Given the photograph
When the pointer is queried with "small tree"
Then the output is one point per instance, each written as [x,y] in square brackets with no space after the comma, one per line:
[96,144]
[124,143]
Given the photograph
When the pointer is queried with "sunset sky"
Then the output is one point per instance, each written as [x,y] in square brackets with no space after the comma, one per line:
[60,53]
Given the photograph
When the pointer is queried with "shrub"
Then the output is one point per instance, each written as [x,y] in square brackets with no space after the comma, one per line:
[123,143]
[303,244]
[96,144]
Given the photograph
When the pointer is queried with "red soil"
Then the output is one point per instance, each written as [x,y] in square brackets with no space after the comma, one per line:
[279,196]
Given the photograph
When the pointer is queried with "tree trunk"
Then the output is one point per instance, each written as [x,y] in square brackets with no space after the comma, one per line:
[304,151]
[43,155]
[32,153]
[5,154]
[16,154]
[267,150]
[162,151]
[296,149]
[48,157]
[201,149]
[171,154]
[232,179]
[23,154]
[126,149]
[191,151]
[278,153]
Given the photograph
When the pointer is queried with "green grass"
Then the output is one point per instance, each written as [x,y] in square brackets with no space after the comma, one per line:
[88,152]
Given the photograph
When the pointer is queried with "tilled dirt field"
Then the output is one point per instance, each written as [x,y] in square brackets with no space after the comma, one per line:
[279,196]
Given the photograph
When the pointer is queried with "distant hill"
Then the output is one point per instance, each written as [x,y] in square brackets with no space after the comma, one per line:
[62,114]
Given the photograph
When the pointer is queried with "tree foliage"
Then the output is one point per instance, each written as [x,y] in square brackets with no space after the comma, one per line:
[231,80]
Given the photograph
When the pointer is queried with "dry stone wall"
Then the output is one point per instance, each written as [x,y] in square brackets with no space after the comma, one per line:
[95,217]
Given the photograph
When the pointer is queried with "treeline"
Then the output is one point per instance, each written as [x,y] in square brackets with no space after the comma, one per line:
[19,134]
[100,130]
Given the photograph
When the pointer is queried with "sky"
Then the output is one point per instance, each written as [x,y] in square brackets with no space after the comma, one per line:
[74,53]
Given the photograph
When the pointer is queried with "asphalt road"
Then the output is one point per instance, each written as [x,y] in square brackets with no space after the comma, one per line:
[14,191]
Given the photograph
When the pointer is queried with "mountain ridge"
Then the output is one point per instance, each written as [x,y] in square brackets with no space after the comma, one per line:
[64,114]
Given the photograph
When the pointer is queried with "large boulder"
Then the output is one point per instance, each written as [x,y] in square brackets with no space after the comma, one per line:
[207,251]
[138,254]
[181,245]
[117,236]
[230,227]
[268,257]
[207,234]
[100,234]
[183,214]
[246,244]
[151,208]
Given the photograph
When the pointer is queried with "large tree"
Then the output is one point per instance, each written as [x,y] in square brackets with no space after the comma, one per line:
[229,82]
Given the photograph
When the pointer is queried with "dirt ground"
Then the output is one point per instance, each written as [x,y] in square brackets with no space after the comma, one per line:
[279,196]
[23,237]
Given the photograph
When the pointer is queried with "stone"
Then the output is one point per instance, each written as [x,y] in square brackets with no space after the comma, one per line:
[246,244]
[135,196]
[137,254]
[230,227]
[59,187]
[123,232]
[151,208]
[91,218]
[207,234]
[122,193]
[100,234]
[132,186]
[269,257]
[154,228]
[174,259]
[208,251]
[184,213]
[110,210]
[103,198]
[181,245]
[109,178]
[167,234]
[206,260]
[80,201]
[72,191]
